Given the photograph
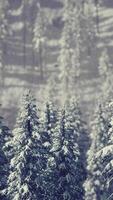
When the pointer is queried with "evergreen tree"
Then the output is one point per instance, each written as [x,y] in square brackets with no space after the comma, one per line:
[88,35]
[105,155]
[51,143]
[76,44]
[65,53]
[90,28]
[70,168]
[39,37]
[104,62]
[51,116]
[74,115]
[97,5]
[48,127]
[67,173]
[4,29]
[95,185]
[105,73]
[52,88]
[5,135]
[28,162]
[69,58]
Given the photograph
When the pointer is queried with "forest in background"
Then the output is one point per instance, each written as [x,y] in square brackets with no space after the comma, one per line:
[20,60]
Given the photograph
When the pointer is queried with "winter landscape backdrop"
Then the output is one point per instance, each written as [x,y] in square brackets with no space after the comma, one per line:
[20,60]
[61,52]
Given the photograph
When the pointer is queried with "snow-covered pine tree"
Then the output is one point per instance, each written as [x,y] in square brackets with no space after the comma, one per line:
[67,174]
[91,30]
[51,115]
[70,169]
[49,125]
[65,52]
[28,162]
[94,184]
[97,5]
[3,33]
[5,135]
[51,144]
[69,58]
[104,63]
[40,37]
[74,115]
[52,88]
[107,158]
[47,128]
[105,73]
[105,155]
[76,44]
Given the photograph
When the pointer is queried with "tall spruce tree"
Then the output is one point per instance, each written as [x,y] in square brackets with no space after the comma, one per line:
[52,88]
[74,115]
[40,37]
[28,162]
[51,118]
[70,168]
[105,72]
[66,52]
[51,144]
[66,173]
[5,135]
[4,29]
[105,155]
[69,58]
[95,185]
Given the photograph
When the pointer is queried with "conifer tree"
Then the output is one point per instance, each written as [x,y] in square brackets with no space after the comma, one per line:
[49,125]
[51,144]
[28,162]
[5,135]
[52,88]
[4,29]
[74,115]
[70,168]
[105,73]
[67,174]
[107,158]
[66,52]
[105,155]
[69,59]
[97,4]
[95,185]
[88,35]
[39,37]
[76,45]
[51,115]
